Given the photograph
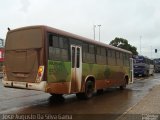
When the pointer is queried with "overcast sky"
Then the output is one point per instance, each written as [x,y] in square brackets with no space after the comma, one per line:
[128,19]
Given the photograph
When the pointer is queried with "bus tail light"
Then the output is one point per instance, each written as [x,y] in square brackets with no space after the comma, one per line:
[40,73]
[4,71]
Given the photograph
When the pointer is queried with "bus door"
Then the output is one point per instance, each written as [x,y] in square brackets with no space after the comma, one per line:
[76,68]
[131,71]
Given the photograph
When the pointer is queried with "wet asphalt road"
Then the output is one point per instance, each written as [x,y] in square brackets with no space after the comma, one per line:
[112,101]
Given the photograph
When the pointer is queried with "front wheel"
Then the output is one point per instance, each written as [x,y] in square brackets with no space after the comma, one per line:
[89,89]
[122,87]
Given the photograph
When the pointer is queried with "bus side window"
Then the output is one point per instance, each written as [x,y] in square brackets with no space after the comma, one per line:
[85,51]
[50,40]
[73,57]
[78,57]
[117,58]
[121,58]
[98,50]
[88,53]
[109,54]
[98,55]
[58,47]
[103,55]
[91,54]
[56,50]
[91,49]
[64,47]
[113,57]
[106,56]
[63,42]
[117,55]
[55,41]
[127,59]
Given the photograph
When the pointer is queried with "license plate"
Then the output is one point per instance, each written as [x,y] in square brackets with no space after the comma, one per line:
[19,83]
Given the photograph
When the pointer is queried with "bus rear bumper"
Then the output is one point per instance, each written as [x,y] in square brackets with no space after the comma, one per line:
[24,85]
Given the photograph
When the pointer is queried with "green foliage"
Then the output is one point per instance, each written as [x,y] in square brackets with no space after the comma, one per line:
[123,43]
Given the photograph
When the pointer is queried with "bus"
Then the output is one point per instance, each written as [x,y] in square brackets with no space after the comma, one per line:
[157,65]
[143,66]
[1,61]
[58,62]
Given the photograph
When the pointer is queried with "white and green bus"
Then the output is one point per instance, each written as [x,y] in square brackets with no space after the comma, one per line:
[58,62]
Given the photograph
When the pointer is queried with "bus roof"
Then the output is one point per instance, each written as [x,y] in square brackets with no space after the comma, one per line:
[64,33]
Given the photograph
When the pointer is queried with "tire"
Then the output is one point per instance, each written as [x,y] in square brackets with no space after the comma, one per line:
[100,91]
[89,89]
[56,95]
[146,74]
[80,96]
[57,98]
[122,87]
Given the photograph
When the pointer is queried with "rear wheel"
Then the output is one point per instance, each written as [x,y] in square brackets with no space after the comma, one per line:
[89,89]
[57,98]
[56,95]
[100,91]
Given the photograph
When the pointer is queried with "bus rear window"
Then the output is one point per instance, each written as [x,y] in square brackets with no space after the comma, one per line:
[24,39]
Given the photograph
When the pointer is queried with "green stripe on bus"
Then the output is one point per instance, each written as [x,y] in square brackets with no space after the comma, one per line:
[59,71]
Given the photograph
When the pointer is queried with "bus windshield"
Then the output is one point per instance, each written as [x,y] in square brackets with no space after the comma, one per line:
[139,60]
[157,62]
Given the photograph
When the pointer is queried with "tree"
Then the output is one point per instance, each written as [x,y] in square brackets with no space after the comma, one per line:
[123,43]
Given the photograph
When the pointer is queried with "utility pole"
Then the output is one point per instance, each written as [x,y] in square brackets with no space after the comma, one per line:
[140,45]
[151,52]
[1,42]
[99,32]
[94,26]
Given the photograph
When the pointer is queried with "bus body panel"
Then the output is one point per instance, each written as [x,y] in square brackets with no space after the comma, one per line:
[105,76]
[1,60]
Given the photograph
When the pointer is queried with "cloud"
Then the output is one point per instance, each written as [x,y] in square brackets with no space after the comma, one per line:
[128,19]
[24,5]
